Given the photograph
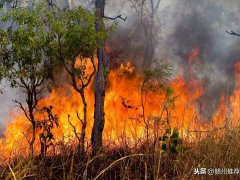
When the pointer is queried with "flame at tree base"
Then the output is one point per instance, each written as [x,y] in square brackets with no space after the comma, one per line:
[123,119]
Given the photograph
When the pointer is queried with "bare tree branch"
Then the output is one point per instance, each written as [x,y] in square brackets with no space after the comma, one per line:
[23,109]
[29,142]
[74,129]
[117,17]
[92,74]
[78,116]
[233,33]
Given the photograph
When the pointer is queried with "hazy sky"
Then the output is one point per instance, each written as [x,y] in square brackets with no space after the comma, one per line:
[6,104]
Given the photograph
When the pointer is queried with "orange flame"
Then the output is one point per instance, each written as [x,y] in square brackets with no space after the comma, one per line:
[123,110]
[195,52]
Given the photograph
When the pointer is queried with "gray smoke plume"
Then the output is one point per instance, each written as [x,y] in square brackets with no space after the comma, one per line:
[203,24]
[182,26]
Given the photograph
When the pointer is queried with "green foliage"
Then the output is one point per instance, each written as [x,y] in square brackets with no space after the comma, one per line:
[106,71]
[160,71]
[154,78]
[22,46]
[170,141]
[170,97]
[46,125]
[43,37]
[80,71]
[72,33]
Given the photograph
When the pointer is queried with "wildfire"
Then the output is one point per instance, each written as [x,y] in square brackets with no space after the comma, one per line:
[195,52]
[123,110]
[126,69]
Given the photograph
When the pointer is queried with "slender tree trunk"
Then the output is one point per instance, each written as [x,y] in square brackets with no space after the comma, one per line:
[143,100]
[84,124]
[100,84]
[149,32]
[31,144]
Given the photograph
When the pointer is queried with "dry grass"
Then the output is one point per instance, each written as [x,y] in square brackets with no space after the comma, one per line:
[144,162]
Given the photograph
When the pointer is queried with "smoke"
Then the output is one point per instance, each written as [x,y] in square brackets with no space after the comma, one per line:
[181,27]
[2,129]
[203,24]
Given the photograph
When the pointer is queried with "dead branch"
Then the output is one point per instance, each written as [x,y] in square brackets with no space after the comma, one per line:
[125,104]
[23,109]
[233,33]
[74,129]
[28,140]
[199,131]
[206,131]
[92,74]
[78,116]
[117,17]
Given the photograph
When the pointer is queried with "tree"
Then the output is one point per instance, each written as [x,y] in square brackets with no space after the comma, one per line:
[153,81]
[146,10]
[23,61]
[100,78]
[47,124]
[43,38]
[73,43]
[100,83]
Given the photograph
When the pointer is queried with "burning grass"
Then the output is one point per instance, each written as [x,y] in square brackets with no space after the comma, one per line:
[148,161]
[139,143]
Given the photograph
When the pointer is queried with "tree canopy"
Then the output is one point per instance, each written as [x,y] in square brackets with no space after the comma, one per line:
[36,39]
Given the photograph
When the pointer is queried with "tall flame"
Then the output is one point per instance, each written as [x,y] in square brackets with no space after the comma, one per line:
[123,109]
